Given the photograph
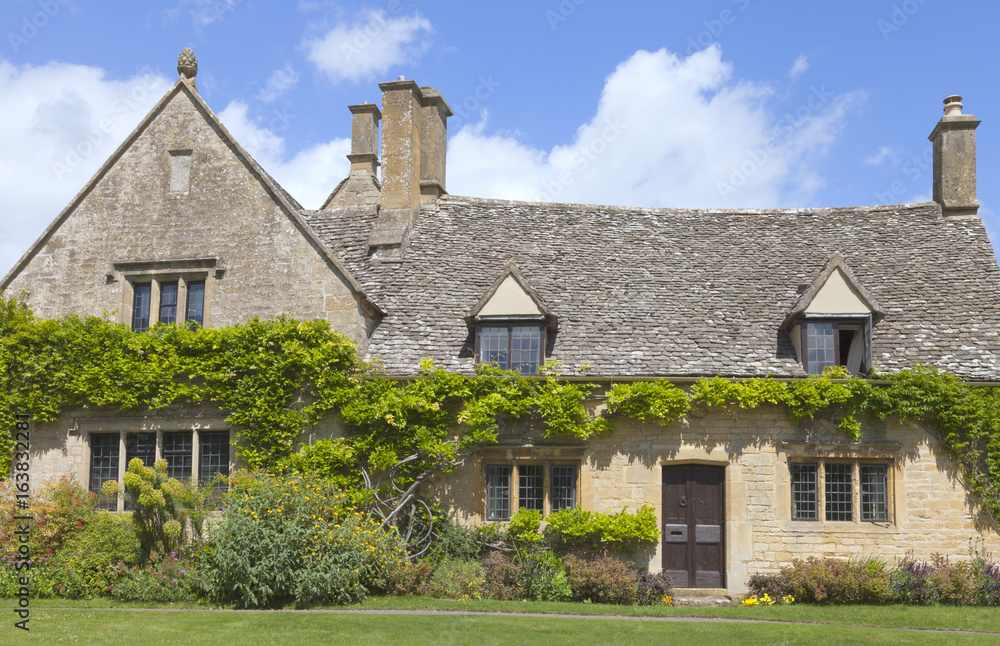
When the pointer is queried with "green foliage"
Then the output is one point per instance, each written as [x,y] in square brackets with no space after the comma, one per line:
[170,579]
[457,579]
[623,529]
[658,400]
[603,580]
[292,539]
[86,560]
[165,511]
[277,378]
[60,509]
[873,581]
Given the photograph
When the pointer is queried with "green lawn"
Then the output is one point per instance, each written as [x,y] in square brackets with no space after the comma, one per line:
[60,622]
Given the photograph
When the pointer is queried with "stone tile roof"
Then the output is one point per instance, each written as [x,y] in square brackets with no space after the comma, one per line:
[672,292]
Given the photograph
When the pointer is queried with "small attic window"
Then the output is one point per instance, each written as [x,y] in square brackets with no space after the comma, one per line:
[511,322]
[831,322]
[180,171]
[842,341]
[511,346]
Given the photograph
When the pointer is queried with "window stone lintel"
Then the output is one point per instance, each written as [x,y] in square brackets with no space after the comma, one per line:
[832,451]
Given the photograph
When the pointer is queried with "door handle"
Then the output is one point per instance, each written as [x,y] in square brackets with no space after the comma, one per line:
[684,501]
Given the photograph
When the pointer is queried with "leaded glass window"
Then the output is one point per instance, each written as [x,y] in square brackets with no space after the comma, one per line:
[104,454]
[524,354]
[498,492]
[531,483]
[493,346]
[804,493]
[140,306]
[177,451]
[820,347]
[838,492]
[196,302]
[214,457]
[168,302]
[874,493]
[563,489]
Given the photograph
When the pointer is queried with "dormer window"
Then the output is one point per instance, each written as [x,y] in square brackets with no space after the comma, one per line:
[831,323]
[511,324]
[513,346]
[836,342]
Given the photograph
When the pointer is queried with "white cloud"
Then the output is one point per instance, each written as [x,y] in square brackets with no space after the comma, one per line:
[63,122]
[667,132]
[882,154]
[204,12]
[800,65]
[310,175]
[278,83]
[370,46]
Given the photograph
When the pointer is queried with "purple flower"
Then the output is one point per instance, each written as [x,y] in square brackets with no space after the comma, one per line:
[173,580]
[183,572]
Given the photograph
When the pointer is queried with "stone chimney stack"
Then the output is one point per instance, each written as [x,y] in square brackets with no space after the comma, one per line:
[364,138]
[401,110]
[433,146]
[954,139]
[414,140]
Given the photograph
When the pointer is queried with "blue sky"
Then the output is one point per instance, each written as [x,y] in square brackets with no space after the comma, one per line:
[724,103]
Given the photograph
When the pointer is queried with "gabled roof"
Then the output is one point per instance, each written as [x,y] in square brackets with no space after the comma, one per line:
[512,271]
[288,204]
[836,263]
[672,292]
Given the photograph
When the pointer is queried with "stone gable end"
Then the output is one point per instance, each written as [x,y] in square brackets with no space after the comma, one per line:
[265,263]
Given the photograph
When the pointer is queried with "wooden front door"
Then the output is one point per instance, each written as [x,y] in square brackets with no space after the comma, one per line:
[694,525]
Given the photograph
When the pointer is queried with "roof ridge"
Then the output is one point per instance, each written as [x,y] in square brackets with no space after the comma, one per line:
[910,206]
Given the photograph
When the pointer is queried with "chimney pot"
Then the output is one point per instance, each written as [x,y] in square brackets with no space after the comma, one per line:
[953,105]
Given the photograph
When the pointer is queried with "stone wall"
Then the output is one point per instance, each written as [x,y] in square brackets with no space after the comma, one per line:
[929,511]
[266,264]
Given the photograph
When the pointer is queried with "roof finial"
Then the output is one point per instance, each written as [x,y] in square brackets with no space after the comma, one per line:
[187,64]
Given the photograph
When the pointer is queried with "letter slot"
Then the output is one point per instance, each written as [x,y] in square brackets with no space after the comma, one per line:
[675,533]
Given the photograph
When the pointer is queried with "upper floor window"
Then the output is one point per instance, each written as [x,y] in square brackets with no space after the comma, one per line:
[836,342]
[510,323]
[167,291]
[512,347]
[831,322]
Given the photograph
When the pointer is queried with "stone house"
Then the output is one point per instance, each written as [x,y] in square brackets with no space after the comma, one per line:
[181,223]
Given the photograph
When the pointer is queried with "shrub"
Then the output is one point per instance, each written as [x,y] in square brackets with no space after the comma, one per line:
[411,578]
[987,582]
[172,579]
[457,579]
[166,511]
[833,581]
[622,530]
[59,509]
[85,562]
[602,580]
[654,588]
[453,541]
[291,539]
[911,582]
[543,578]
[502,577]
[774,586]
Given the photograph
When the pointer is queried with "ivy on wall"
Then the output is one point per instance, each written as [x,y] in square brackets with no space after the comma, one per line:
[275,379]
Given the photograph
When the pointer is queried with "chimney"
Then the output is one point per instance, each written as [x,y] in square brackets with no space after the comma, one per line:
[434,113]
[400,162]
[414,140]
[364,138]
[954,139]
